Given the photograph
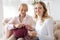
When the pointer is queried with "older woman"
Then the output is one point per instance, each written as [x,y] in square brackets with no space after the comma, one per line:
[18,22]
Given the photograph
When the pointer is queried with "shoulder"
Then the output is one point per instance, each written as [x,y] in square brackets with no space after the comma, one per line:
[49,20]
[29,17]
[14,19]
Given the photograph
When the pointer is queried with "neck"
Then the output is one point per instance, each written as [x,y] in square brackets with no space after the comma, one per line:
[39,17]
[22,16]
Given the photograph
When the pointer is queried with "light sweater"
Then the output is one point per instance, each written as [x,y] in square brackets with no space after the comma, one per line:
[45,30]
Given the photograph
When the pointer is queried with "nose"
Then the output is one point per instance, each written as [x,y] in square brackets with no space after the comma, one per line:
[37,9]
[23,11]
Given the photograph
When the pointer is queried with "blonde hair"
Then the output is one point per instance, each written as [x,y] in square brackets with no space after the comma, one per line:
[24,5]
[45,14]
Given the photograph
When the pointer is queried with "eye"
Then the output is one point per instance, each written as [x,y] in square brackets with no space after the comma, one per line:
[39,7]
[35,8]
[21,9]
[25,10]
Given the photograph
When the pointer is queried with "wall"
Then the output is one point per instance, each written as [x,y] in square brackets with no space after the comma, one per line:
[1,17]
[55,9]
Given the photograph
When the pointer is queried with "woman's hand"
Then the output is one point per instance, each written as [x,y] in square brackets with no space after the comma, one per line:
[29,27]
[32,33]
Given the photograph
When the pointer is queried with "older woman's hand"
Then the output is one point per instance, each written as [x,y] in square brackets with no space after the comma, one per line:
[32,33]
[29,27]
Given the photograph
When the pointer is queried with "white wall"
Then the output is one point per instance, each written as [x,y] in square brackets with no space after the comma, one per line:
[1,17]
[55,9]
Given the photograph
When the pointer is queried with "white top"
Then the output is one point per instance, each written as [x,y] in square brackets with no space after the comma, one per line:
[27,21]
[45,30]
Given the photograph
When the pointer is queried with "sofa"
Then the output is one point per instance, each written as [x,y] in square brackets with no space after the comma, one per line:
[56,30]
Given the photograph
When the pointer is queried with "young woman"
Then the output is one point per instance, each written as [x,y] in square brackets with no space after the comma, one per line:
[44,23]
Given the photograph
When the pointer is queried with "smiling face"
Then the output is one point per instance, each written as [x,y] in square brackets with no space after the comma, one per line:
[38,9]
[23,9]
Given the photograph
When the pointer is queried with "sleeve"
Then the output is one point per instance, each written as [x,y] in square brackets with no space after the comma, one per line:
[29,20]
[33,23]
[10,24]
[7,30]
[49,26]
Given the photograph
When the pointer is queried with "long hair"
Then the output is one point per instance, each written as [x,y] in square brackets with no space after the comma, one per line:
[45,14]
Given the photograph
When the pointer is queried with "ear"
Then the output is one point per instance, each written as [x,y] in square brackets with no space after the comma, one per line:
[27,9]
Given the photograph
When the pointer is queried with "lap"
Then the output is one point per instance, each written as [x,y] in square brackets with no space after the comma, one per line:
[12,37]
